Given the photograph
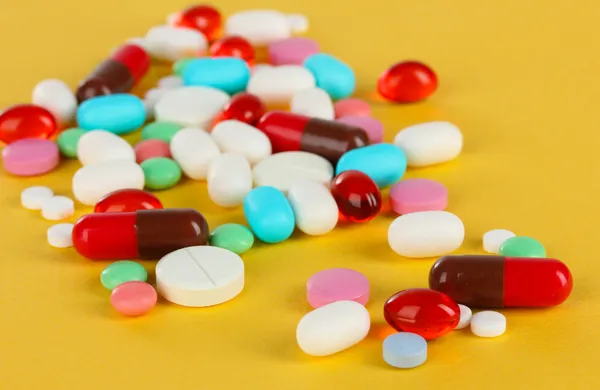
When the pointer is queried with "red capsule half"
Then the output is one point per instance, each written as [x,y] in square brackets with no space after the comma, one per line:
[127,200]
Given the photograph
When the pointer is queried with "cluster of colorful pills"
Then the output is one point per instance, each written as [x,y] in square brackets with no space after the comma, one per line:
[287,141]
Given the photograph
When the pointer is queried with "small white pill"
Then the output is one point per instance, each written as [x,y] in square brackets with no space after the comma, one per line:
[60,235]
[494,238]
[32,198]
[190,106]
[404,350]
[488,324]
[56,96]
[57,208]
[194,150]
[170,82]
[229,179]
[313,102]
[239,137]
[298,23]
[259,27]
[465,317]
[174,43]
[314,207]
[98,146]
[92,182]
[151,98]
[429,143]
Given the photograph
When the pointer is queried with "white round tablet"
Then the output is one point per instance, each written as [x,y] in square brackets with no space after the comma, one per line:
[32,198]
[57,208]
[488,324]
[465,317]
[494,238]
[60,235]
[200,276]
[404,350]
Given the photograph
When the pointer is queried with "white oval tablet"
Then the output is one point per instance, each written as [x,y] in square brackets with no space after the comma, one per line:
[229,179]
[32,198]
[194,150]
[259,27]
[56,96]
[314,207]
[284,170]
[238,137]
[465,317]
[97,146]
[170,82]
[92,182]
[60,235]
[426,234]
[190,106]
[429,143]
[488,324]
[174,43]
[200,276]
[313,102]
[57,208]
[333,328]
[494,238]
[277,84]
[151,98]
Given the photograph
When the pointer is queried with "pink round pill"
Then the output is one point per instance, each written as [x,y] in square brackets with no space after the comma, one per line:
[133,298]
[337,284]
[292,51]
[30,157]
[351,107]
[151,148]
[414,195]
[371,126]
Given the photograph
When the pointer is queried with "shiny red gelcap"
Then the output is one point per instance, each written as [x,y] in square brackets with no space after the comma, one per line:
[26,121]
[407,82]
[134,58]
[244,107]
[203,18]
[233,46]
[127,200]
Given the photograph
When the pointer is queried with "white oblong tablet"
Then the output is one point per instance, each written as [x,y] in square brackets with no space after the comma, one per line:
[465,317]
[170,82]
[200,276]
[429,143]
[194,150]
[60,235]
[92,182]
[238,137]
[314,207]
[32,198]
[229,179]
[278,84]
[284,170]
[259,27]
[426,234]
[174,43]
[190,106]
[333,328]
[312,102]
[151,98]
[97,146]
[56,96]
[494,238]
[488,324]
[57,208]
[404,350]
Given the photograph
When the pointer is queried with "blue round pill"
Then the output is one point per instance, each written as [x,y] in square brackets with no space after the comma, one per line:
[404,350]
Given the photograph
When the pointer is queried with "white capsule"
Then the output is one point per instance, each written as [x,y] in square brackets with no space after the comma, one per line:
[239,137]
[488,324]
[277,84]
[430,143]
[99,145]
[313,102]
[229,179]
[56,96]
[314,207]
[57,208]
[174,43]
[190,106]
[493,239]
[465,317]
[259,27]
[92,182]
[60,235]
[32,198]
[194,150]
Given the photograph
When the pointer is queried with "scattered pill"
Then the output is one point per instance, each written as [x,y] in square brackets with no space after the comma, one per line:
[151,148]
[135,58]
[160,173]
[127,200]
[488,324]
[229,179]
[30,157]
[26,121]
[494,238]
[244,107]
[404,350]
[174,43]
[407,82]
[430,143]
[332,75]
[233,46]
[337,284]
[357,196]
[312,102]
[276,85]
[57,208]
[351,107]
[133,298]
[32,198]
[194,150]
[56,96]
[203,18]
[371,126]
[98,146]
[169,82]
[292,51]
[333,328]
[163,131]
[465,317]
[152,97]
[190,106]
[60,235]
[384,163]
[228,74]
[414,195]
[121,272]
[233,237]
[68,140]
[92,182]
[521,246]
[233,136]
[260,27]
[315,210]
[269,214]
[200,276]
[117,113]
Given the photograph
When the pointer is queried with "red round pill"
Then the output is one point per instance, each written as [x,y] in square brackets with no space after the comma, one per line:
[127,200]
[244,107]
[357,196]
[26,121]
[203,18]
[407,82]
[133,298]
[233,46]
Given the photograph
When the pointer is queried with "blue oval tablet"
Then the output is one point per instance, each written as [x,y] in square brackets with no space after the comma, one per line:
[229,74]
[332,75]
[118,113]
[269,214]
[384,163]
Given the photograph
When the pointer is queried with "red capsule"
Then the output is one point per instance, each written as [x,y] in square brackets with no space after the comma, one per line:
[425,312]
[26,121]
[233,46]
[203,18]
[134,58]
[407,82]
[244,107]
[357,196]
[127,200]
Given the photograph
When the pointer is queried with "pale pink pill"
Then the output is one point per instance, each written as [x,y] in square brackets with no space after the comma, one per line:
[151,148]
[30,157]
[371,126]
[413,195]
[292,51]
[133,298]
[337,284]
[351,107]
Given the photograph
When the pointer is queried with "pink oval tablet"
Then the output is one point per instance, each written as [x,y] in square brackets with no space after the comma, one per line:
[133,298]
[151,148]
[413,195]
[337,284]
[371,126]
[292,51]
[30,157]
[351,107]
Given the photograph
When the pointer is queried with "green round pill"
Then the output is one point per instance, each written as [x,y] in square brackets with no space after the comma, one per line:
[122,271]
[67,141]
[160,130]
[179,66]
[234,237]
[522,247]
[160,173]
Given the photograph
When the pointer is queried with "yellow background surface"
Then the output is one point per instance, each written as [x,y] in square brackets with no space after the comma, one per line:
[520,78]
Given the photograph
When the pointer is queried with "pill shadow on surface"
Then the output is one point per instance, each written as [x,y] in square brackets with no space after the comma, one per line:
[296,300]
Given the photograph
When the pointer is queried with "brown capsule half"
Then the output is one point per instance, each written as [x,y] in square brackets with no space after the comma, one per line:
[108,78]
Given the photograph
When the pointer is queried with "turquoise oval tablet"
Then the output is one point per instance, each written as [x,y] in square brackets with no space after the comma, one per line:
[384,163]
[118,113]
[332,75]
[269,214]
[229,74]
[232,236]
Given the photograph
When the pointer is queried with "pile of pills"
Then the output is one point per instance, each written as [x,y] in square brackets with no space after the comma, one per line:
[285,140]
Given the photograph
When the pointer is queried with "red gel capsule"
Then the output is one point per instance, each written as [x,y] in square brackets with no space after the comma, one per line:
[357,196]
[26,121]
[134,58]
[203,18]
[244,107]
[425,312]
[144,234]
[407,82]
[127,200]
[496,281]
[233,46]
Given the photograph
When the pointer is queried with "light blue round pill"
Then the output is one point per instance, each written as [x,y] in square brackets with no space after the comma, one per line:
[404,350]
[384,163]
[229,74]
[118,113]
[332,75]
[269,214]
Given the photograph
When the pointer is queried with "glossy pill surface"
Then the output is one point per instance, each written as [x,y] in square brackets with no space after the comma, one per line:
[122,271]
[357,196]
[233,237]
[228,74]
[312,102]
[118,113]
[371,126]
[127,200]
[99,146]
[314,207]
[269,214]
[56,96]
[30,157]
[26,121]
[68,140]
[160,173]
[244,107]
[407,82]
[332,75]
[133,298]
[135,58]
[521,246]
[234,136]
[430,143]
[233,46]
[204,18]
[384,163]
[194,150]
[91,182]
